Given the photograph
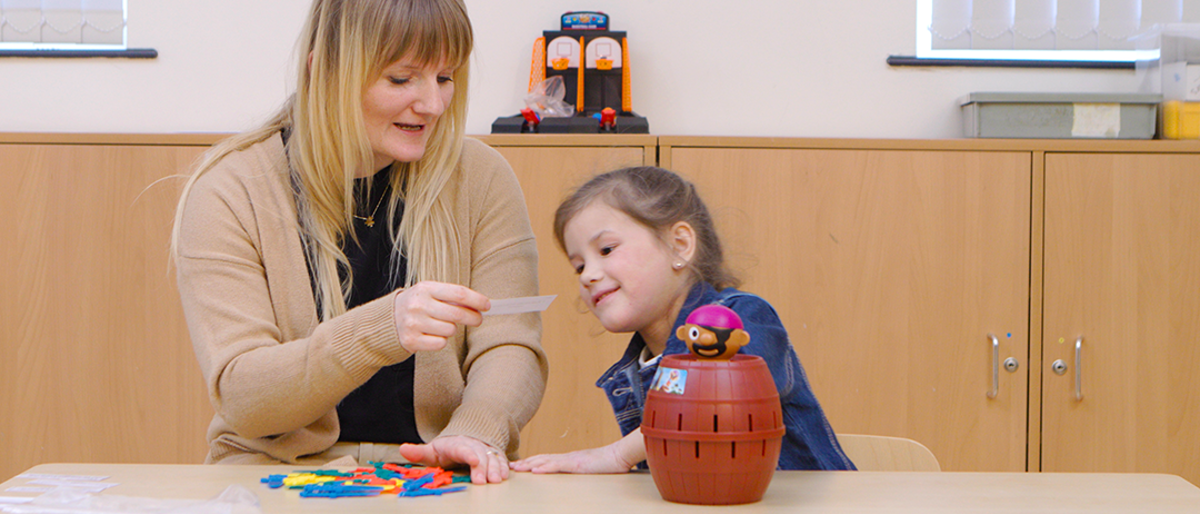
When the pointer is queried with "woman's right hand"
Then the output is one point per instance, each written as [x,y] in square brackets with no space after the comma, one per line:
[429,312]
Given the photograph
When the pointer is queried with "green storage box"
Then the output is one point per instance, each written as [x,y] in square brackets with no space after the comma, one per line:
[1060,115]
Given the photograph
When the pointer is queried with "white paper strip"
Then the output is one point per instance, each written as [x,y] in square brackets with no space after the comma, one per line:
[52,476]
[78,485]
[15,499]
[520,305]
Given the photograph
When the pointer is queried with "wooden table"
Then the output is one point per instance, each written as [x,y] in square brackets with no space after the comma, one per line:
[791,491]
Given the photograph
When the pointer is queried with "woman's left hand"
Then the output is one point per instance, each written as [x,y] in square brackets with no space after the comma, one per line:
[488,465]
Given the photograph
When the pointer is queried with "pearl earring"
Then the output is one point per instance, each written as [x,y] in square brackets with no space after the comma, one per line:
[678,265]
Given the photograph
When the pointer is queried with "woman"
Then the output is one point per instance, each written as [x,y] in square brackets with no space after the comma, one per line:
[322,333]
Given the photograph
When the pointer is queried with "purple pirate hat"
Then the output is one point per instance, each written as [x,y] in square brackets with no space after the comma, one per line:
[718,316]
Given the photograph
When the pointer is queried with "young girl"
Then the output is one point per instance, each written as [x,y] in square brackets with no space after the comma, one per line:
[647,254]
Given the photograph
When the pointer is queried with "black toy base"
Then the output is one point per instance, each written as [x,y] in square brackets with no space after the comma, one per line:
[626,124]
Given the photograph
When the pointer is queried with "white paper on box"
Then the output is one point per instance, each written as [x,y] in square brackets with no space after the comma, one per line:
[1191,92]
[1181,81]
[1096,120]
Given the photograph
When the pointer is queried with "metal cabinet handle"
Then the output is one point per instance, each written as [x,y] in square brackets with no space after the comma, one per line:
[1079,369]
[995,366]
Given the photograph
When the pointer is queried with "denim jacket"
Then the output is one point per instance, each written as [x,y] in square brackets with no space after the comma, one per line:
[809,442]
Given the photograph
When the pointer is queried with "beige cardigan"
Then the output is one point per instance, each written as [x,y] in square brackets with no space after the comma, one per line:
[275,375]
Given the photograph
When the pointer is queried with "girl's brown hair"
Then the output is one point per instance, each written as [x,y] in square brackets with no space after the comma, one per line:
[657,199]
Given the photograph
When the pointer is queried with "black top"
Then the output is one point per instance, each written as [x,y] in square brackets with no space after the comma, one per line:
[380,410]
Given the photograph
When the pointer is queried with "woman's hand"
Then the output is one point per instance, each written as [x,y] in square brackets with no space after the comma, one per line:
[488,465]
[429,312]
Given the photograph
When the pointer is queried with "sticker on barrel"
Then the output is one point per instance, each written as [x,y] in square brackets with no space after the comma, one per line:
[669,380]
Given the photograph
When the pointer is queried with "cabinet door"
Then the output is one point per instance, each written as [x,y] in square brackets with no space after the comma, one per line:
[889,270]
[1122,272]
[95,360]
[575,413]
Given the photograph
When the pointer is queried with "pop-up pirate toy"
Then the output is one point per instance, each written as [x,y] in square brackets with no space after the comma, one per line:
[713,423]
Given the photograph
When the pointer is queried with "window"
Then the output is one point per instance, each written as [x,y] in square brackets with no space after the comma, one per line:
[1113,31]
[63,27]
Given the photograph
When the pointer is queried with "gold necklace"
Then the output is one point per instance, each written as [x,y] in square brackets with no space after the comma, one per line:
[369,221]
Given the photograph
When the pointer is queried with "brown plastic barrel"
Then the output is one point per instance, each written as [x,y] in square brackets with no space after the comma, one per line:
[716,439]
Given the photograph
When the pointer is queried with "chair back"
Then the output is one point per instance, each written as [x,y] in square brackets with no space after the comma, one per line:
[883,453]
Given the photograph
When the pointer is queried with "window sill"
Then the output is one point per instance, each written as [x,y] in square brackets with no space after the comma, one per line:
[908,60]
[129,53]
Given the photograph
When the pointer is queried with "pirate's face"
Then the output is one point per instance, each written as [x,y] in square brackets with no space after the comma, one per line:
[712,342]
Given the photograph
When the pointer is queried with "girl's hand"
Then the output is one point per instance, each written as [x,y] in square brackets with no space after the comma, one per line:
[428,313]
[593,461]
[488,465]
[618,457]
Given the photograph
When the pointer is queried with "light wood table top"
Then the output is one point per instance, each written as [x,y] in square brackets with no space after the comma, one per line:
[790,491]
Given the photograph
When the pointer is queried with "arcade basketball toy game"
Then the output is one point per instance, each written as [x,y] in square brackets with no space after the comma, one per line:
[584,63]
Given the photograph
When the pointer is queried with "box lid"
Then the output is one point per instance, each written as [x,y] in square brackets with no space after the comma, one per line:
[1025,98]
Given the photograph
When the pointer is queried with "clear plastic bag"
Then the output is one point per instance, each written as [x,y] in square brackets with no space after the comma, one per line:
[546,99]
[235,499]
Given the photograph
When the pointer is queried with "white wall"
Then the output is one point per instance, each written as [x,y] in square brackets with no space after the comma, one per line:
[807,68]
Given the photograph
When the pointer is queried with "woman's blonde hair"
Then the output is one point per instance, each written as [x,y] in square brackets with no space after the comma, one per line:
[344,47]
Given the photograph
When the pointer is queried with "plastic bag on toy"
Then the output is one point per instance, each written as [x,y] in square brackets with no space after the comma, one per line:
[546,99]
[235,499]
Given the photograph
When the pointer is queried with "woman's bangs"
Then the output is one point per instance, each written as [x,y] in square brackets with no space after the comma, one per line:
[430,33]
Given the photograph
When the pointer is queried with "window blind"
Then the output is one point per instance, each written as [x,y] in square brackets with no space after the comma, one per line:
[1076,30]
[62,24]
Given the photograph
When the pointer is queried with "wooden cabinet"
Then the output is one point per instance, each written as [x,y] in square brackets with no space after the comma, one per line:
[95,361]
[889,261]
[889,268]
[574,413]
[95,364]
[1122,275]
